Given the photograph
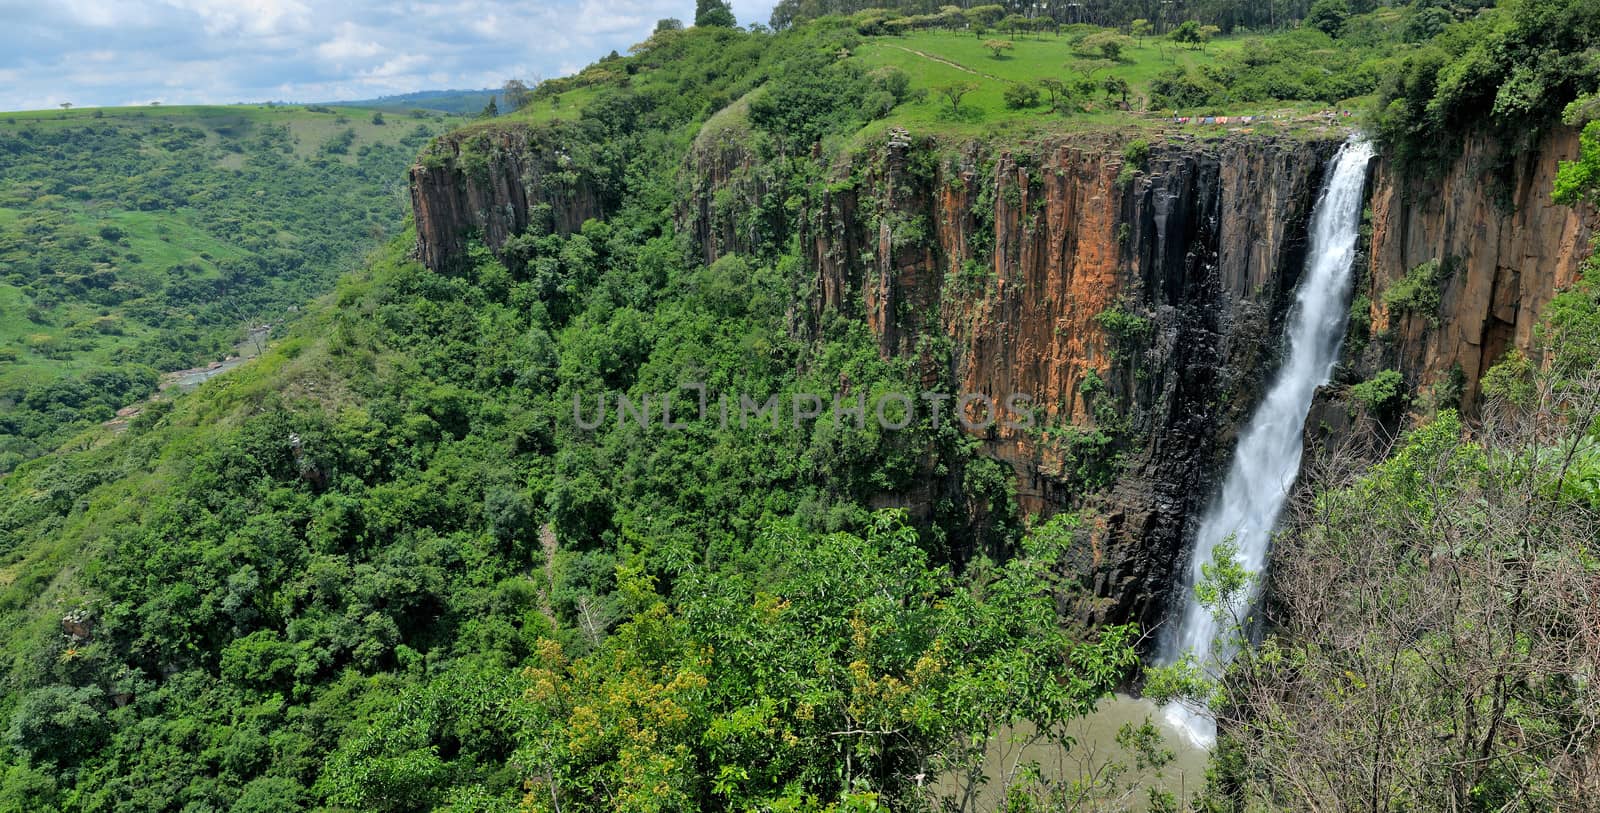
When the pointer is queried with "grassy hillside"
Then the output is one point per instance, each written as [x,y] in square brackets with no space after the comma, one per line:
[137,241]
[457,102]
[1289,76]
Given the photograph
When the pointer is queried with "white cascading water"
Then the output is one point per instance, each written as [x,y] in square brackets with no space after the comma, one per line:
[1268,455]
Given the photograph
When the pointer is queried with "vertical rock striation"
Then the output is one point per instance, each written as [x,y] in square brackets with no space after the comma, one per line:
[1142,304]
[496,182]
[1505,248]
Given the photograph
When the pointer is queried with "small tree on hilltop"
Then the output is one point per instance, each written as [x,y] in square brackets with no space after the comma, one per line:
[954,94]
[986,15]
[1107,45]
[517,94]
[1056,90]
[1021,97]
[1015,22]
[1328,16]
[1115,86]
[1140,29]
[1187,34]
[996,46]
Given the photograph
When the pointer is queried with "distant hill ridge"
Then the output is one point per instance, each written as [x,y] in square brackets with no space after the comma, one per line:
[446,101]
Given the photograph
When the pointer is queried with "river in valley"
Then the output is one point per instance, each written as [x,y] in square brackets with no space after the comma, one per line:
[1094,750]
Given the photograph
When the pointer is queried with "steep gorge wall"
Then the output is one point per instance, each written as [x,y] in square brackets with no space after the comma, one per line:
[1508,248]
[1014,257]
[995,268]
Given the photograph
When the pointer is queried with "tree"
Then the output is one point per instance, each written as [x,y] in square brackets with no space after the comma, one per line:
[1057,92]
[1107,45]
[666,24]
[996,46]
[1188,34]
[1140,29]
[490,110]
[1116,86]
[517,94]
[954,93]
[718,13]
[58,724]
[1207,33]
[377,117]
[1014,23]
[986,15]
[66,105]
[1020,96]
[1328,16]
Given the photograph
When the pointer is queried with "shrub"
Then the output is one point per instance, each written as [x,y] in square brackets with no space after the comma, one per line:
[1510,380]
[1134,158]
[1019,96]
[1122,323]
[1381,393]
[1418,291]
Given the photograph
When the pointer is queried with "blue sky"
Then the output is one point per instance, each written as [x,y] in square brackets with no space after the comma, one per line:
[116,52]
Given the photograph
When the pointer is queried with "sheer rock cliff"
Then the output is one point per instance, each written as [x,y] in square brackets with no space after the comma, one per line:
[1137,297]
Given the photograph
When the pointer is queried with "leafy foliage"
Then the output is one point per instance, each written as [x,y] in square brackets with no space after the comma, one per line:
[1420,290]
[1510,70]
[1380,394]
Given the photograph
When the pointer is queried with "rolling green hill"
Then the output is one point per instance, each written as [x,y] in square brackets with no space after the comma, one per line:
[135,241]
[1288,77]
[458,102]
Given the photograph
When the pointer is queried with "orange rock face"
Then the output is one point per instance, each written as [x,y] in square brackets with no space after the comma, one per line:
[1510,247]
[1011,260]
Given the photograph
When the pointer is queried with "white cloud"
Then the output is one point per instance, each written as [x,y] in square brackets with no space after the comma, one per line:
[252,17]
[99,52]
[351,44]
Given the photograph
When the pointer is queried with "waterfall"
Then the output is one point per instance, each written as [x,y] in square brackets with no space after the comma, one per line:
[1268,455]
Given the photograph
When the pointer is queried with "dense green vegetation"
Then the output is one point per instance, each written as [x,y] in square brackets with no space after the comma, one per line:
[1509,72]
[139,241]
[314,583]
[1015,15]
[1420,73]
[256,604]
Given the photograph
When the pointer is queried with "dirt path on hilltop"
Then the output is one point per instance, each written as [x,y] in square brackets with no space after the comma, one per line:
[957,65]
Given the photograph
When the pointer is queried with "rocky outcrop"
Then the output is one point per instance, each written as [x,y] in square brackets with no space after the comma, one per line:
[725,203]
[1504,249]
[497,181]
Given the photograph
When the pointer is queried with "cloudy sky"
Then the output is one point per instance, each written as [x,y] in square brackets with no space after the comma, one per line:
[115,52]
